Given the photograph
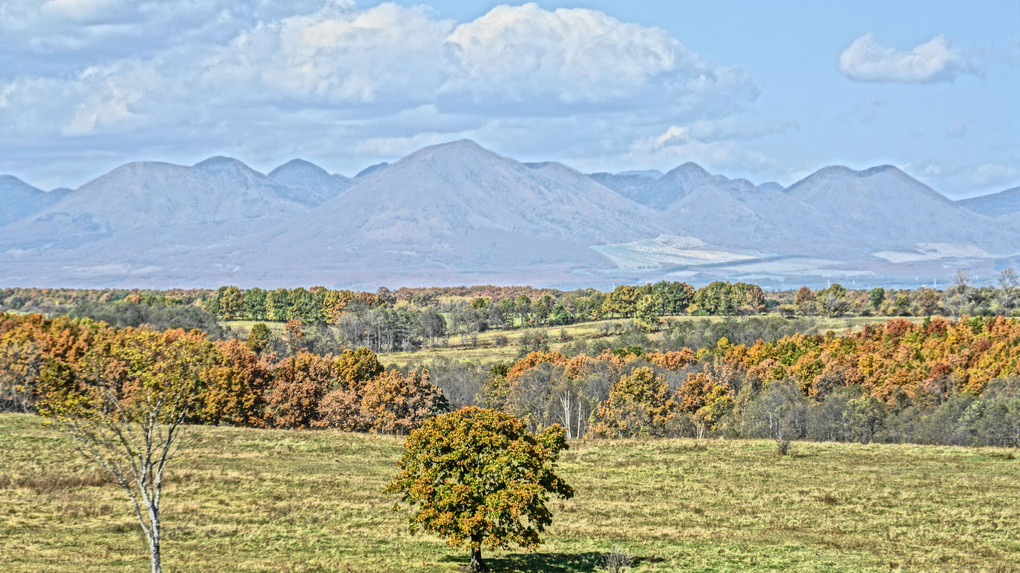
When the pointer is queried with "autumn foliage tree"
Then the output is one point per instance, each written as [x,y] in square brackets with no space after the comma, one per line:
[299,384]
[478,477]
[638,404]
[236,386]
[396,404]
[341,407]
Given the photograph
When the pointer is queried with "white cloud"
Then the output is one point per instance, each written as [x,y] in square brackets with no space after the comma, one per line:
[958,129]
[516,60]
[515,52]
[80,10]
[336,55]
[933,61]
[729,128]
[310,78]
[991,174]
[78,33]
[699,143]
[110,101]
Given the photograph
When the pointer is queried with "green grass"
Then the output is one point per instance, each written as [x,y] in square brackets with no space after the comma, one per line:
[280,501]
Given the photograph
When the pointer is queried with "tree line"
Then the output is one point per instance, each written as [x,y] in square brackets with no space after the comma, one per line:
[49,363]
[939,381]
[407,319]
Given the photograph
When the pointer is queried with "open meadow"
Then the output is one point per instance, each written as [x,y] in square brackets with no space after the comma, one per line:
[304,501]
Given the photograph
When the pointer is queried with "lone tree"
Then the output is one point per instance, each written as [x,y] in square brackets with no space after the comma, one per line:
[478,477]
[126,407]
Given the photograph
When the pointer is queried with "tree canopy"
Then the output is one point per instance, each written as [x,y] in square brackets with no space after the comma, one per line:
[478,477]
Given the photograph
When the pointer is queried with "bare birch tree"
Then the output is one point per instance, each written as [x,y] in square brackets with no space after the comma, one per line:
[128,410]
[1008,285]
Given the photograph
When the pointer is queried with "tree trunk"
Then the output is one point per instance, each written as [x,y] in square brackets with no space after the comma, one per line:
[476,560]
[154,537]
[157,564]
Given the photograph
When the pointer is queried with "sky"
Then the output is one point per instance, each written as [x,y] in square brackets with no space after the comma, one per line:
[770,91]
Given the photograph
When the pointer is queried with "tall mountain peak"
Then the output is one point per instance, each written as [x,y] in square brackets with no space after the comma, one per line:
[311,185]
[222,163]
[456,150]
[297,165]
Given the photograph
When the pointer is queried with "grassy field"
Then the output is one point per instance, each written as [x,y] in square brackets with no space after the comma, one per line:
[486,350]
[287,502]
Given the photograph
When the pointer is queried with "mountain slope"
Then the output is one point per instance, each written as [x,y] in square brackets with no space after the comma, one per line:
[451,187]
[658,192]
[19,199]
[312,185]
[458,204]
[999,204]
[729,214]
[884,208]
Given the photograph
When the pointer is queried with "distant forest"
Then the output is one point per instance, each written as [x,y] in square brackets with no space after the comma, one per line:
[325,320]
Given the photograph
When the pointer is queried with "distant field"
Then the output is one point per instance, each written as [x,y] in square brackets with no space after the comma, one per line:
[485,349]
[280,501]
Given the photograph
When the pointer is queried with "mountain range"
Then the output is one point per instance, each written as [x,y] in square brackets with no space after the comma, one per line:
[21,199]
[457,213]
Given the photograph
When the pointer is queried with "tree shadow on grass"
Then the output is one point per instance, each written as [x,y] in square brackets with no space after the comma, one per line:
[588,562]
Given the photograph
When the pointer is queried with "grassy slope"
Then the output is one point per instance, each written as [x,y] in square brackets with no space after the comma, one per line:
[278,501]
[486,351]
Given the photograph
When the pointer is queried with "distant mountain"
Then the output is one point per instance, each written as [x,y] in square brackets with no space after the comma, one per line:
[459,206]
[19,199]
[650,173]
[731,213]
[166,203]
[1002,204]
[312,185]
[632,186]
[370,171]
[658,192]
[884,208]
[457,214]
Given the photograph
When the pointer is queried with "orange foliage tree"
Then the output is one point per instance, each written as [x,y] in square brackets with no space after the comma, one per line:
[395,404]
[477,477]
[638,404]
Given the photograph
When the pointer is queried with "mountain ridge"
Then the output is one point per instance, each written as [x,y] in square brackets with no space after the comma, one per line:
[457,212]
[1002,204]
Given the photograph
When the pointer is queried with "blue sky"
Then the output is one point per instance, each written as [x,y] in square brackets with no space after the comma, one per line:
[764,90]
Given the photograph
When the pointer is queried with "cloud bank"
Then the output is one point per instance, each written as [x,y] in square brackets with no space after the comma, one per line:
[931,62]
[319,79]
